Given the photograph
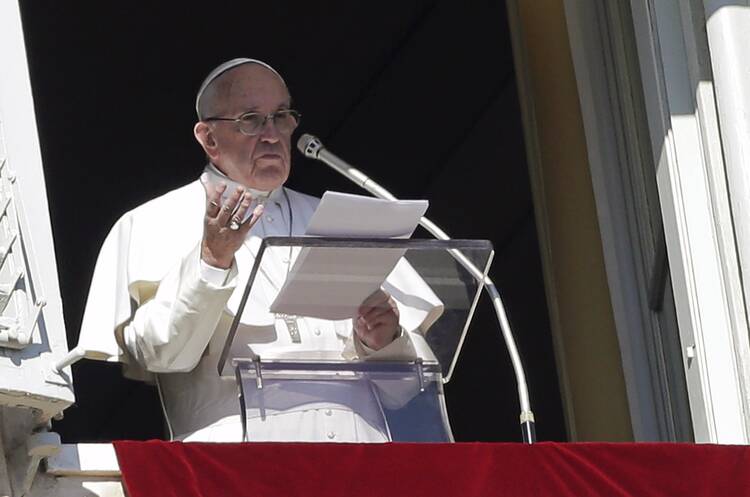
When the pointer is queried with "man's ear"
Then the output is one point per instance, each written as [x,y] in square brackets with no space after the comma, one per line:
[205,136]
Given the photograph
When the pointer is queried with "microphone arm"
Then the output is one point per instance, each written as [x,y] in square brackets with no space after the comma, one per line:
[312,147]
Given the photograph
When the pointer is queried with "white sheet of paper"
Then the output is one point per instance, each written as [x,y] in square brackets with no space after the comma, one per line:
[346,215]
[331,283]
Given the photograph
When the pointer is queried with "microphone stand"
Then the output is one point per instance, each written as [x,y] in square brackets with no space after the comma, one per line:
[312,147]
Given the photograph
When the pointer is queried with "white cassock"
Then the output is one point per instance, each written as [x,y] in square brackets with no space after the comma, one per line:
[155,306]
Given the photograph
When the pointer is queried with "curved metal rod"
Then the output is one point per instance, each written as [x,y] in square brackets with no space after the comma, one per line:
[311,147]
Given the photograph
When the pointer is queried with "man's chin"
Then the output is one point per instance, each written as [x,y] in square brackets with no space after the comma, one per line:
[268,181]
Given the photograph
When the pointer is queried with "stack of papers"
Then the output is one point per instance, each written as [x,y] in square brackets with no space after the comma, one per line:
[331,283]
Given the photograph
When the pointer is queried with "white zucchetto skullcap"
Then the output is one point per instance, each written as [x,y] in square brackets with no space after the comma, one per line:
[221,69]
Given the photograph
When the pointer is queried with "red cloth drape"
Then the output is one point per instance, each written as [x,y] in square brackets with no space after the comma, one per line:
[167,469]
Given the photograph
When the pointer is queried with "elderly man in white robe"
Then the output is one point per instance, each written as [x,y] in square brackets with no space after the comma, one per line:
[169,284]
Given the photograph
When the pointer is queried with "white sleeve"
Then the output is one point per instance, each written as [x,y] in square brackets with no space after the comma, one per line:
[170,332]
[394,393]
[214,275]
[417,304]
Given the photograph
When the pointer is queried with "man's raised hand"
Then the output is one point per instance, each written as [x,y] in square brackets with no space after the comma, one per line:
[220,241]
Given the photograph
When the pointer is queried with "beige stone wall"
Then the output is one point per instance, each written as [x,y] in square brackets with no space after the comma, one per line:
[583,325]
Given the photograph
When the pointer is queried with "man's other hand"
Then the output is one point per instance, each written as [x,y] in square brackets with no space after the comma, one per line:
[220,241]
[376,323]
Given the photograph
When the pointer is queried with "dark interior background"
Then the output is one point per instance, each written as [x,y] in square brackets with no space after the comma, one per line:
[420,94]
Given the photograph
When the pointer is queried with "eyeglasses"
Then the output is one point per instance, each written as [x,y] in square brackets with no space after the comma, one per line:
[251,123]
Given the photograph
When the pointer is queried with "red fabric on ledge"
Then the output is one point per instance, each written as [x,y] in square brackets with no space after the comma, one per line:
[462,469]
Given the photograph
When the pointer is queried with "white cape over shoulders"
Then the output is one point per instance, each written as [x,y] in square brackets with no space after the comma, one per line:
[131,263]
[146,242]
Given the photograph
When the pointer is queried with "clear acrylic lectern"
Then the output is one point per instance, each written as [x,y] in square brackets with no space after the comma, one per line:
[301,372]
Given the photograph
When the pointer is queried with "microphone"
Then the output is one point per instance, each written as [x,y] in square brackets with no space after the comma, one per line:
[312,147]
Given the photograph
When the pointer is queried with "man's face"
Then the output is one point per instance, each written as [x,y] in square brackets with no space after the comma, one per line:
[262,161]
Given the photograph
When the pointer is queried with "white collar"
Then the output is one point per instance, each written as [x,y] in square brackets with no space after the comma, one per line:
[259,196]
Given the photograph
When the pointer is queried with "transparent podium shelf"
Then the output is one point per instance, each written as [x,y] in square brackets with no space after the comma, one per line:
[304,373]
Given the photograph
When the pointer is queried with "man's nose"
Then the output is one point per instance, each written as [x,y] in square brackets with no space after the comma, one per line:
[269,132]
